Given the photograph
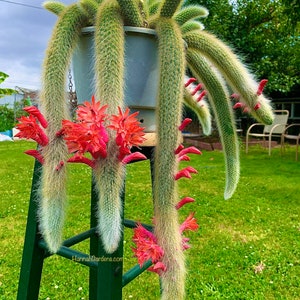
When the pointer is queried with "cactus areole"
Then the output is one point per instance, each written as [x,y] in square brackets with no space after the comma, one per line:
[184,47]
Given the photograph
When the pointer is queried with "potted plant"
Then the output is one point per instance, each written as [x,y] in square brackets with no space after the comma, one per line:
[182,45]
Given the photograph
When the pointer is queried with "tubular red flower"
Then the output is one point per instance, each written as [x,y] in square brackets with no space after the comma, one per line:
[190,80]
[257,106]
[133,157]
[238,105]
[186,172]
[36,154]
[197,88]
[184,123]
[179,148]
[235,96]
[190,223]
[29,129]
[201,96]
[91,112]
[261,87]
[184,201]
[146,246]
[184,158]
[34,111]
[129,132]
[158,268]
[192,150]
[82,159]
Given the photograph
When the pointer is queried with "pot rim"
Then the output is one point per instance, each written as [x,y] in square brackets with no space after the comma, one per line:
[91,29]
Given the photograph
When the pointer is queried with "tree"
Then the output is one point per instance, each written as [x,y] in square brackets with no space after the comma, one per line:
[5,91]
[265,32]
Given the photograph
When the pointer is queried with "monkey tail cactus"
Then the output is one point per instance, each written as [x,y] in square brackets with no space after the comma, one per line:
[171,58]
[109,172]
[53,100]
[182,44]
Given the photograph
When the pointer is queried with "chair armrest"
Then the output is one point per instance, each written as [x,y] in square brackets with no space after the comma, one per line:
[253,125]
[290,126]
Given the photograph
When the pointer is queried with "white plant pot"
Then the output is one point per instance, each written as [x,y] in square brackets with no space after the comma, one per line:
[141,71]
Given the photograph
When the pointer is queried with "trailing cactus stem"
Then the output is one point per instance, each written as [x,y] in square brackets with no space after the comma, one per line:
[54,106]
[223,112]
[235,73]
[132,12]
[109,172]
[191,26]
[169,7]
[172,67]
[189,13]
[109,178]
[90,7]
[55,7]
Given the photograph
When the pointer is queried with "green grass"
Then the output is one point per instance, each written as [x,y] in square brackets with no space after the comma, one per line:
[258,226]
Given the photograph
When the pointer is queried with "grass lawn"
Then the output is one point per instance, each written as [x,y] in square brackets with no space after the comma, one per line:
[247,247]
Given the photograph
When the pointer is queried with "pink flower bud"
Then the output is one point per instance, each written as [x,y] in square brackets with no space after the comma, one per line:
[133,157]
[261,87]
[36,154]
[202,95]
[184,123]
[190,80]
[184,201]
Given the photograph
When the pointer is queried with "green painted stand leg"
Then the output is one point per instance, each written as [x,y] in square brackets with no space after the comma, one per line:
[109,272]
[33,256]
[106,270]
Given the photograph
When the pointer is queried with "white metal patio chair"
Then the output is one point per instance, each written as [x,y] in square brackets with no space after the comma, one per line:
[289,136]
[276,129]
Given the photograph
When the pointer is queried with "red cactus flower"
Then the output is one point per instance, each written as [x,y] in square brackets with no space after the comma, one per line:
[133,157]
[129,132]
[197,88]
[184,123]
[186,172]
[179,148]
[261,87]
[29,129]
[190,223]
[34,111]
[189,81]
[92,112]
[202,95]
[36,154]
[88,134]
[191,149]
[82,159]
[158,268]
[146,246]
[184,201]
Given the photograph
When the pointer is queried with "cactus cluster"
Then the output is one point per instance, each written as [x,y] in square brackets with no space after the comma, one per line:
[183,45]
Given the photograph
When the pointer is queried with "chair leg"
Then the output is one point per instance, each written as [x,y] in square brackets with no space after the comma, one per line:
[282,145]
[297,147]
[270,145]
[247,139]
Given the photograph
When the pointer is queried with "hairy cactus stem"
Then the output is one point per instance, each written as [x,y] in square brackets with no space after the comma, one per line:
[233,71]
[53,103]
[172,68]
[109,172]
[221,105]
